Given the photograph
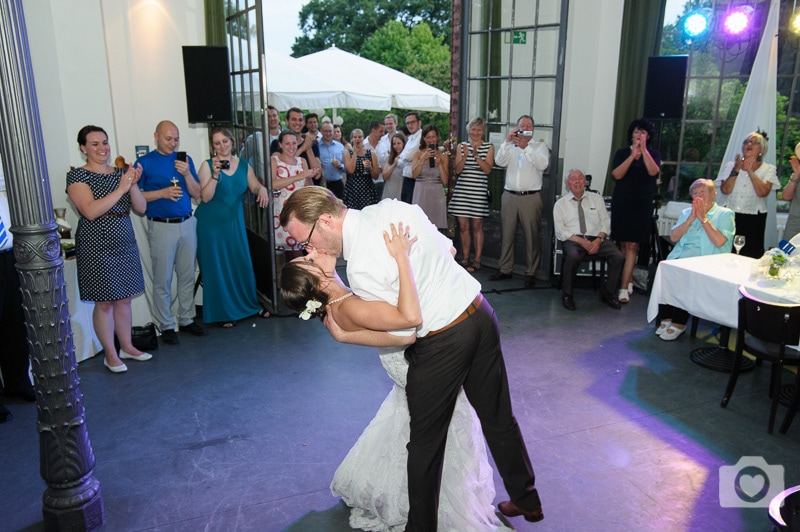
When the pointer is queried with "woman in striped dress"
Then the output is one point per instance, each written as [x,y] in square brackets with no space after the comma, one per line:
[470,201]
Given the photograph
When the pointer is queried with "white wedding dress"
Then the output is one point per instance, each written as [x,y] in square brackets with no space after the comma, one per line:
[373,479]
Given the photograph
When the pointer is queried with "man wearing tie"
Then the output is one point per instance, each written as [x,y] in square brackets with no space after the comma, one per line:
[582,224]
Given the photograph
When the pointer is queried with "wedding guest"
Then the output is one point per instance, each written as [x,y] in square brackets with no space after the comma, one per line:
[307,147]
[331,154]
[372,142]
[635,170]
[362,167]
[413,133]
[746,182]
[470,200]
[521,203]
[339,137]
[169,183]
[793,221]
[393,169]
[223,253]
[289,173]
[109,267]
[705,228]
[581,224]
[431,170]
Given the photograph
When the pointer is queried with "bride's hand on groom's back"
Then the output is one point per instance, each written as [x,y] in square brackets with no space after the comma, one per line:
[398,240]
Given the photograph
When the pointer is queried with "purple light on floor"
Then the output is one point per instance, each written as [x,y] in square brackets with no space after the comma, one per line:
[738,20]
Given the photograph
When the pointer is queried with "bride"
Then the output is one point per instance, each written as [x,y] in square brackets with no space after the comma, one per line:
[372,479]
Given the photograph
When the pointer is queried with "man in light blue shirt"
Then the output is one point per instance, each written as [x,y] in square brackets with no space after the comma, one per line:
[331,154]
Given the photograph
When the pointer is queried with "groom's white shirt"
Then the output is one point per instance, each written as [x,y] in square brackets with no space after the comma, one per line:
[445,288]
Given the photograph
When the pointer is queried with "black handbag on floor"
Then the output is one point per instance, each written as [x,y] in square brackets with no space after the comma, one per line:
[144,338]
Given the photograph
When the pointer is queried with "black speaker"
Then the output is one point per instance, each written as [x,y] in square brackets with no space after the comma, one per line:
[666,80]
[208,83]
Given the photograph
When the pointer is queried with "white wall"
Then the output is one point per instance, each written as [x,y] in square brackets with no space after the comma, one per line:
[113,63]
[590,83]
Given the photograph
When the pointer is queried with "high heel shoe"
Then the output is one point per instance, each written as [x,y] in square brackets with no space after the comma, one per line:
[115,369]
[140,358]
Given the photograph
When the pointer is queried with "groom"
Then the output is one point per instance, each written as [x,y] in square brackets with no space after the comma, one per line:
[458,343]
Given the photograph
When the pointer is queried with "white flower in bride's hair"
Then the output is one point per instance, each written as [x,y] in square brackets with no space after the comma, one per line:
[312,305]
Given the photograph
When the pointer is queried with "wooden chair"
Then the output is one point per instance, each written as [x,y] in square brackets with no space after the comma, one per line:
[765,331]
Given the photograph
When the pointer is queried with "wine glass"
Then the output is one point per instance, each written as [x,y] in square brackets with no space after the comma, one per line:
[738,243]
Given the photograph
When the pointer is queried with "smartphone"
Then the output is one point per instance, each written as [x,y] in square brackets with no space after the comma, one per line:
[431,146]
[181,156]
[224,165]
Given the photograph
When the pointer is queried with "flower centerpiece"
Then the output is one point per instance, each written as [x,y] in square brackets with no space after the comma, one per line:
[777,260]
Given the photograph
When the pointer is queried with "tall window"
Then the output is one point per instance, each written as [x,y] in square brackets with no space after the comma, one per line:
[513,70]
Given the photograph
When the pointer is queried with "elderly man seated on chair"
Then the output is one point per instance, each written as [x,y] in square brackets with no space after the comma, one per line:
[582,224]
[705,228]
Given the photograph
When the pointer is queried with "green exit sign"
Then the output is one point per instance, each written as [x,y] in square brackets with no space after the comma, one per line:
[516,37]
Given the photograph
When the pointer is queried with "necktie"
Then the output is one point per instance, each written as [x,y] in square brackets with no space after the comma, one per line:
[3,235]
[581,216]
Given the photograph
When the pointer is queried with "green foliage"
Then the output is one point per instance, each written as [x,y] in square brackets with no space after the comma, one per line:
[417,52]
[348,23]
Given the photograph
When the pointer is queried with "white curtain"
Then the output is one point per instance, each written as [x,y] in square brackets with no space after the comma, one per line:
[758,111]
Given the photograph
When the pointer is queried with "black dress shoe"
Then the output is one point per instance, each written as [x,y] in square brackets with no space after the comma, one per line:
[4,414]
[530,281]
[194,329]
[499,276]
[26,394]
[509,509]
[568,302]
[610,300]
[170,337]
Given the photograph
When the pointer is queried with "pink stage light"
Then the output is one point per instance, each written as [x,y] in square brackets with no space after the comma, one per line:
[738,20]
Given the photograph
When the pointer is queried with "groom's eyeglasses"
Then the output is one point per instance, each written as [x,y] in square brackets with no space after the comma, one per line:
[305,244]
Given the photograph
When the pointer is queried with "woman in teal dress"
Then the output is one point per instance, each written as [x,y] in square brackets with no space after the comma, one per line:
[229,284]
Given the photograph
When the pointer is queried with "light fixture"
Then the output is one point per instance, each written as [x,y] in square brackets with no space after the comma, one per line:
[697,23]
[738,20]
[794,20]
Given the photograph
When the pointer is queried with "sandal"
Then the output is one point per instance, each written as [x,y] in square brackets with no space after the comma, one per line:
[228,324]
[263,314]
[465,264]
[476,265]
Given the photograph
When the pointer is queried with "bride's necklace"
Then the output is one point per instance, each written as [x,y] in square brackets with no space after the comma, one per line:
[341,298]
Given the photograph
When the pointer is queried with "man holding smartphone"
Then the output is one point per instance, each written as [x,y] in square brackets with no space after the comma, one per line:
[168,183]
[521,201]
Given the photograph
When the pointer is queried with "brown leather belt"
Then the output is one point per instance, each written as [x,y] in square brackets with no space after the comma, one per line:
[469,311]
[115,215]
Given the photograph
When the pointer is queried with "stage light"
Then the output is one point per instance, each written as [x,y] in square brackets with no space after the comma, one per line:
[697,23]
[794,22]
[738,20]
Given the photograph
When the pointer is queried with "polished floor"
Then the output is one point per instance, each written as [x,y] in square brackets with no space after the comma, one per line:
[243,429]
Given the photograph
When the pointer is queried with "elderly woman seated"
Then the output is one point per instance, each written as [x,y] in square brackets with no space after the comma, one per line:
[705,228]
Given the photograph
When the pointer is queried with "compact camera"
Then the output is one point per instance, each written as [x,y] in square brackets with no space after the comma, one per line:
[521,133]
[224,165]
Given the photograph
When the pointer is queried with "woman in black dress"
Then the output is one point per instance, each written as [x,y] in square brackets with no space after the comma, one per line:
[635,170]
[109,268]
[362,167]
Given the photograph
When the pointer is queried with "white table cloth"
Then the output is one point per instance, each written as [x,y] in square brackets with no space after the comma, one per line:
[708,287]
